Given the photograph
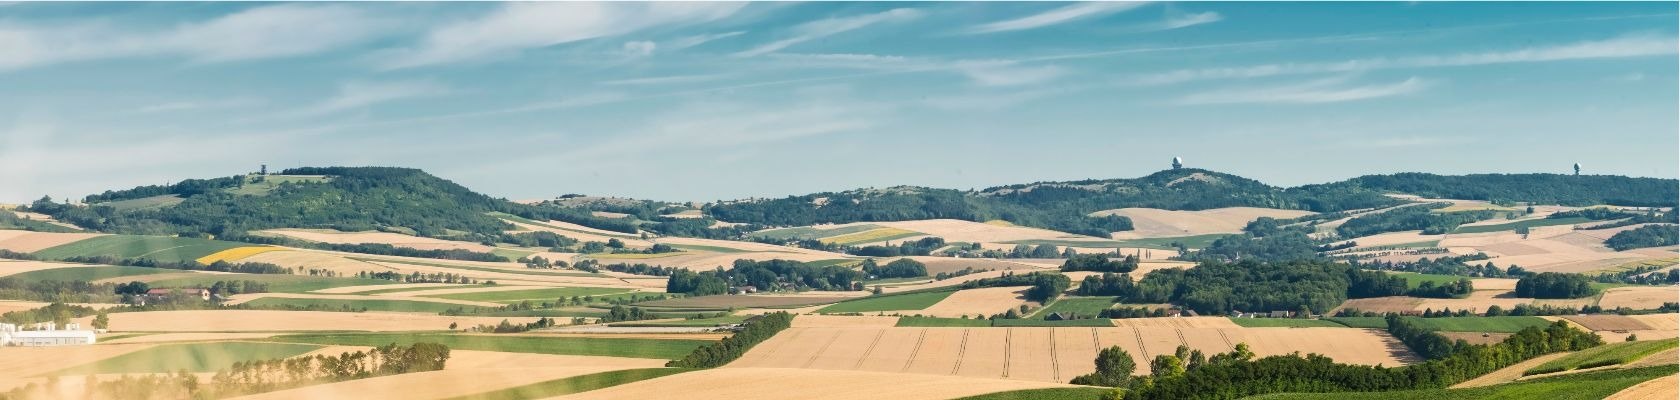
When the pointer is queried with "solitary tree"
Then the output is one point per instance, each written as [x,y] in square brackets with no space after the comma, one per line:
[101,321]
[1114,369]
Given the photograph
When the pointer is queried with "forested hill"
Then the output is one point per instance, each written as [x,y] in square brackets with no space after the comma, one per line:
[1569,190]
[344,198]
[1063,206]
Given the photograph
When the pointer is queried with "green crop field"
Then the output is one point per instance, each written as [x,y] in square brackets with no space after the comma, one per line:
[1609,354]
[1414,279]
[161,248]
[913,301]
[1512,226]
[1505,324]
[86,273]
[511,254]
[714,249]
[353,304]
[1286,323]
[1583,386]
[548,294]
[411,289]
[1070,393]
[581,346]
[575,384]
[276,283]
[1082,306]
[834,261]
[193,357]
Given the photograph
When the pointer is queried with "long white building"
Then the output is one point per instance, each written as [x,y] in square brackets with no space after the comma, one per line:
[45,334]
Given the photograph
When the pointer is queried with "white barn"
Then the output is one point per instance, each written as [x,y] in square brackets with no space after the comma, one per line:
[45,334]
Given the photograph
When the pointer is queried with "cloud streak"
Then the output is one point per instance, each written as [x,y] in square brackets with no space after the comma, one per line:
[1060,15]
[1619,47]
[831,26]
[1321,91]
[285,30]
[520,26]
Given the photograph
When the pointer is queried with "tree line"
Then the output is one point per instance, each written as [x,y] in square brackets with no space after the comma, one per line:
[752,333]
[1657,235]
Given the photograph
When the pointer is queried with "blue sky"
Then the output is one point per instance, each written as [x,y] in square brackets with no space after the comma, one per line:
[707,101]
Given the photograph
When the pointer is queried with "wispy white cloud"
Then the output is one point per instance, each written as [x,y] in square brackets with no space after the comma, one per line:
[662,80]
[1177,21]
[284,30]
[354,95]
[989,100]
[198,105]
[640,48]
[1320,91]
[995,73]
[696,40]
[831,26]
[1056,16]
[520,26]
[1619,47]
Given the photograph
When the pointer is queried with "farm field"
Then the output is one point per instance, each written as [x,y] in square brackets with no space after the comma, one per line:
[193,357]
[1287,323]
[394,239]
[515,296]
[747,301]
[726,383]
[983,301]
[871,236]
[581,346]
[276,282]
[30,241]
[1503,324]
[573,384]
[1151,223]
[1047,354]
[897,302]
[1583,386]
[286,321]
[478,375]
[358,304]
[74,272]
[1608,354]
[1080,306]
[161,248]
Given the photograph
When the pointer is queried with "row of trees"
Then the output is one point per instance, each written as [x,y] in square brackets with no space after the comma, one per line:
[417,277]
[1044,286]
[900,268]
[1419,217]
[722,352]
[768,275]
[1366,284]
[1100,263]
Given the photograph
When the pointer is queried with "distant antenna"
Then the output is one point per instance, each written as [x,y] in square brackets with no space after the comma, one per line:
[1577,169]
[264,170]
[1178,163]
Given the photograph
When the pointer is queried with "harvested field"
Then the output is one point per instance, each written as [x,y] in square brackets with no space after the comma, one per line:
[1669,321]
[432,305]
[1395,304]
[236,254]
[842,321]
[742,246]
[1045,354]
[394,239]
[580,232]
[986,301]
[728,383]
[189,337]
[1639,297]
[950,282]
[13,267]
[1493,284]
[516,276]
[448,383]
[394,286]
[871,236]
[1508,374]
[1608,322]
[936,265]
[30,241]
[1177,322]
[192,357]
[310,259]
[953,230]
[1151,222]
[1664,388]
[286,321]
[744,301]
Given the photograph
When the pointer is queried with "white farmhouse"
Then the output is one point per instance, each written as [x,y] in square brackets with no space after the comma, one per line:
[45,334]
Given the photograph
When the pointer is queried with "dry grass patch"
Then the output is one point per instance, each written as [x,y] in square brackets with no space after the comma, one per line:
[237,253]
[13,267]
[1607,322]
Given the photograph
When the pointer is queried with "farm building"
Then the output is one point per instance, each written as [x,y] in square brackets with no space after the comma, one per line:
[45,334]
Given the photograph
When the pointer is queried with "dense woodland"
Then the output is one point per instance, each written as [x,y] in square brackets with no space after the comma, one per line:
[1645,236]
[1569,190]
[1555,285]
[768,275]
[1410,218]
[1042,286]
